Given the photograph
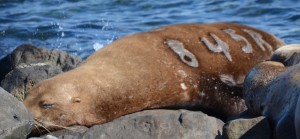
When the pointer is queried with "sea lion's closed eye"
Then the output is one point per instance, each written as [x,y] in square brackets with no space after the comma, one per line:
[46,105]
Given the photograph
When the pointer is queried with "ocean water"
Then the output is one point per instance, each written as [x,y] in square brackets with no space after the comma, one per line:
[83,26]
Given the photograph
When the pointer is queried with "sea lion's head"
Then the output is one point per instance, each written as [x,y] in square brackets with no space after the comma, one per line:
[55,105]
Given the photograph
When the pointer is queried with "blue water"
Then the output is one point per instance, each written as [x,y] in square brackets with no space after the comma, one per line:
[81,26]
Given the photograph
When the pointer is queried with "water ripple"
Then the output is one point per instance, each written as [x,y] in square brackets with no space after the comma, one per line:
[77,26]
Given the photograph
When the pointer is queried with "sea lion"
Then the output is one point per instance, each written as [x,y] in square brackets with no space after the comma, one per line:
[288,55]
[297,119]
[177,66]
[272,89]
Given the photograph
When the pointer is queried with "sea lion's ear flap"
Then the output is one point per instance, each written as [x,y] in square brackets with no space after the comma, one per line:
[76,100]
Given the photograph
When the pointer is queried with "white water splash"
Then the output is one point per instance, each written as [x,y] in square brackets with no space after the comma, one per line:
[97,46]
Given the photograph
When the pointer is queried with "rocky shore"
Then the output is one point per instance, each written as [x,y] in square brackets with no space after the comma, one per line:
[271,92]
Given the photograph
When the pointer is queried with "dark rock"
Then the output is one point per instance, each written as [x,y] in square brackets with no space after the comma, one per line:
[159,124]
[29,54]
[24,54]
[20,80]
[15,121]
[272,90]
[28,65]
[255,128]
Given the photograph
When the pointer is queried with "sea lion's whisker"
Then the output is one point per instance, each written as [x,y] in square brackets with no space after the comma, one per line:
[37,128]
[64,127]
[41,125]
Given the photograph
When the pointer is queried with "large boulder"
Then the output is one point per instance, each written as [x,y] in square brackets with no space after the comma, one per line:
[159,124]
[28,65]
[15,121]
[148,124]
[272,89]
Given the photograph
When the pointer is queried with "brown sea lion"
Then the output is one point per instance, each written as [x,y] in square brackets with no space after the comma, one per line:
[178,66]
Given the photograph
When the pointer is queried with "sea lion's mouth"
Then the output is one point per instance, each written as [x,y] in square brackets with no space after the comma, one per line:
[39,129]
[43,127]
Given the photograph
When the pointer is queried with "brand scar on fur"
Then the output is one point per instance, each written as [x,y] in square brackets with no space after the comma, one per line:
[186,56]
[220,47]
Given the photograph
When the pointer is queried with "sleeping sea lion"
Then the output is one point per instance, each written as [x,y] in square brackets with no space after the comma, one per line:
[196,66]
